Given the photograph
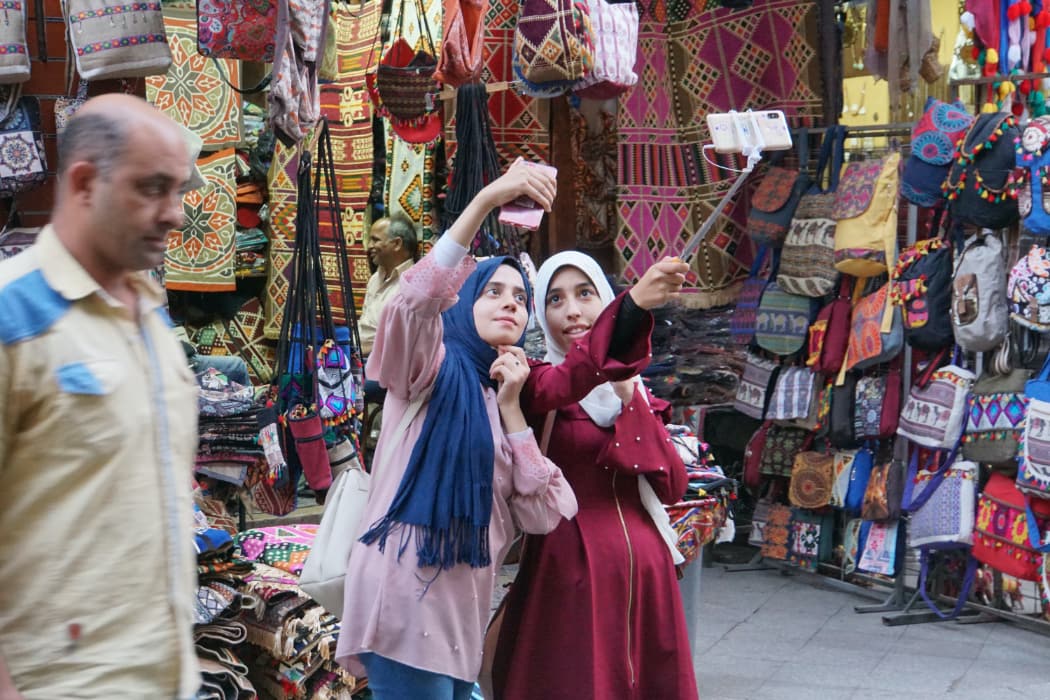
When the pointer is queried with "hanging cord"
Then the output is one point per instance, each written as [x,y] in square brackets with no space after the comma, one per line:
[476,164]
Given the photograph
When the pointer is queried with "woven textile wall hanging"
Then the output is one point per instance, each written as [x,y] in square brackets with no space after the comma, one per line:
[696,58]
[411,168]
[194,91]
[200,255]
[346,104]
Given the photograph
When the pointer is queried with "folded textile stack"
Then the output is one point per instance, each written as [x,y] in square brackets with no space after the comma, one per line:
[229,429]
[693,360]
[290,638]
[704,514]
[251,252]
[217,633]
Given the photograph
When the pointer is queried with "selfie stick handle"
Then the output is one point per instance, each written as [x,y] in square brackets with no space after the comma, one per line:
[752,148]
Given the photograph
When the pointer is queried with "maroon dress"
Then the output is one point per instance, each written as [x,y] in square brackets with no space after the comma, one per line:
[595,611]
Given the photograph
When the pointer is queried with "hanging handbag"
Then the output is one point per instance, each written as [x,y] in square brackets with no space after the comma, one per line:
[852,545]
[841,418]
[782,320]
[811,538]
[116,40]
[405,78]
[792,396]
[841,471]
[742,322]
[462,35]
[865,213]
[782,445]
[1028,290]
[807,263]
[14,58]
[829,333]
[553,41]
[873,341]
[245,30]
[615,28]
[66,107]
[979,311]
[752,394]
[922,288]
[1033,469]
[777,533]
[979,182]
[1033,158]
[880,548]
[757,536]
[933,140]
[1003,532]
[753,452]
[811,480]
[774,202]
[882,496]
[23,164]
[324,572]
[946,517]
[995,418]
[934,412]
[860,474]
[878,403]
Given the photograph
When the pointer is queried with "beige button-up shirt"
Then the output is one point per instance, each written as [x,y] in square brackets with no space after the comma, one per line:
[98,431]
[379,291]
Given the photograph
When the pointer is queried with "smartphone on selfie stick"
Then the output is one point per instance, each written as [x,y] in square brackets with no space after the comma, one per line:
[748,133]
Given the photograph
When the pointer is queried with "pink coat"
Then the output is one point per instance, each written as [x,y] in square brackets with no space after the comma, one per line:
[385,611]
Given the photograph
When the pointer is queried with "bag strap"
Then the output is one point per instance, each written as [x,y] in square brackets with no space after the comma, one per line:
[401,431]
[837,157]
[1035,538]
[41,30]
[548,427]
[934,364]
[259,87]
[759,261]
[823,161]
[964,591]
[910,504]
[1044,373]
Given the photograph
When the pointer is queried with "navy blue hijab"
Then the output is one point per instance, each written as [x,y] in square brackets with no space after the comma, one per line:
[445,495]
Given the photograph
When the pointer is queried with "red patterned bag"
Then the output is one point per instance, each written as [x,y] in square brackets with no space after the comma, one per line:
[829,333]
[870,341]
[242,29]
[774,202]
[1002,538]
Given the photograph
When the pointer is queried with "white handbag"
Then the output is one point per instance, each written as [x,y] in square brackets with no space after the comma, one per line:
[324,572]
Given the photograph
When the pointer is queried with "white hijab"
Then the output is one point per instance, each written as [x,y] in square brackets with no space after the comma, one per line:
[602,404]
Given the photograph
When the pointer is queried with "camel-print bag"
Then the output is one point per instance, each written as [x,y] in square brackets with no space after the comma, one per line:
[934,413]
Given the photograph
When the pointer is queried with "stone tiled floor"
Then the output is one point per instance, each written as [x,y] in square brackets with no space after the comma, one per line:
[763,635]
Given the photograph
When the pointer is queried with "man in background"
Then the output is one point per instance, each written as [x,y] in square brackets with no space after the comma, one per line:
[392,247]
[98,427]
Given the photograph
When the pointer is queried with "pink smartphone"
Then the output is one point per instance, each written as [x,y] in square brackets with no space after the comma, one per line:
[523,211]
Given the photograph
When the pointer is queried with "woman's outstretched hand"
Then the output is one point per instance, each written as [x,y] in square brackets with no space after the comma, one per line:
[660,283]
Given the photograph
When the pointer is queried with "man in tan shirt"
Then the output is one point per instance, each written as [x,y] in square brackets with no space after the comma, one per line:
[392,249]
[98,431]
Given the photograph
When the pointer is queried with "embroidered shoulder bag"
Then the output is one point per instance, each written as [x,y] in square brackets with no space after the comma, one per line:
[872,341]
[23,164]
[865,212]
[553,41]
[979,183]
[405,78]
[1004,531]
[1033,471]
[752,394]
[782,320]
[14,59]
[922,288]
[1033,193]
[461,41]
[245,30]
[807,264]
[829,333]
[112,39]
[774,202]
[1028,290]
[615,50]
[811,480]
[979,312]
[935,410]
[995,418]
[742,322]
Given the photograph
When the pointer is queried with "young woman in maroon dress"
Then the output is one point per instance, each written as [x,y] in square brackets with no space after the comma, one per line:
[595,611]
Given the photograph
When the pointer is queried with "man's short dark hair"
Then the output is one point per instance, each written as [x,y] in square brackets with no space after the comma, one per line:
[96,138]
[402,227]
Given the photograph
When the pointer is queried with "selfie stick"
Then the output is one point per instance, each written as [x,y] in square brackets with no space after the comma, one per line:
[752,148]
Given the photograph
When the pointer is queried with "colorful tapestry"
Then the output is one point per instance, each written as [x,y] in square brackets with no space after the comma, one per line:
[282,190]
[242,337]
[346,104]
[594,151]
[196,91]
[411,168]
[201,255]
[693,60]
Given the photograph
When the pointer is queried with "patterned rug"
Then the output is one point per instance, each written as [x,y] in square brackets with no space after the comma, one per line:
[693,60]
[282,189]
[201,255]
[242,337]
[194,91]
[346,104]
[411,168]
